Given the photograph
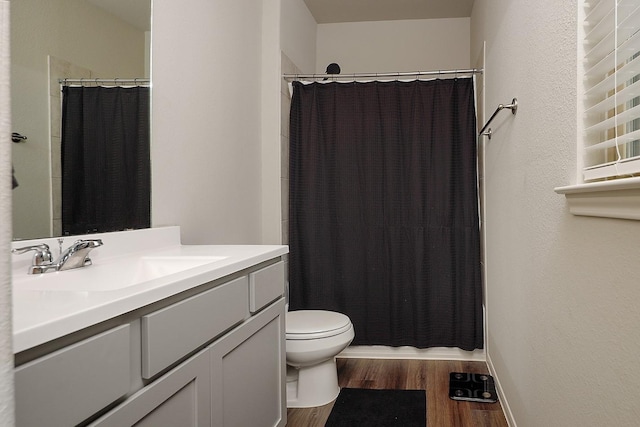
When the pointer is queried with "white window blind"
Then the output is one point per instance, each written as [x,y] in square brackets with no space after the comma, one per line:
[612,89]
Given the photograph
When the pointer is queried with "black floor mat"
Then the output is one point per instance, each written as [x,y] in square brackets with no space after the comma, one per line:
[379,408]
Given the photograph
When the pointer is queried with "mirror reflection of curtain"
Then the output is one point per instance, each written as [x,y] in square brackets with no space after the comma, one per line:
[106,171]
[383,222]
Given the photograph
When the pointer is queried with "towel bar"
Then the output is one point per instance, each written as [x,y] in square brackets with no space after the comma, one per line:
[513,107]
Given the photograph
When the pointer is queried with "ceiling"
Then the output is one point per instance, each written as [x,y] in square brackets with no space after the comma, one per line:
[333,11]
[137,12]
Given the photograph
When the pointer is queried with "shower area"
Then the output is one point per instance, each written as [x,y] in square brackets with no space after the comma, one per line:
[387,230]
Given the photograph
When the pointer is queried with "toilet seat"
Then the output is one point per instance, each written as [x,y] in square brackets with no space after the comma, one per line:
[314,324]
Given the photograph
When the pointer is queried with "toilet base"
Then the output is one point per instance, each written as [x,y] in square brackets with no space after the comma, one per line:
[312,386]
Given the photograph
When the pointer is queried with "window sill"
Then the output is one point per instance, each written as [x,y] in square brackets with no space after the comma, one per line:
[609,199]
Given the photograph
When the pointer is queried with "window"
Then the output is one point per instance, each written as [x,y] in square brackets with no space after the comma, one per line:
[611,89]
[610,124]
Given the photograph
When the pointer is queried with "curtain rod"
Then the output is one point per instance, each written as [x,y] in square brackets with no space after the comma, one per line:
[355,76]
[114,81]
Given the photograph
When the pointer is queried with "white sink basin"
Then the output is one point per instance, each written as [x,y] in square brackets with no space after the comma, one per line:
[111,275]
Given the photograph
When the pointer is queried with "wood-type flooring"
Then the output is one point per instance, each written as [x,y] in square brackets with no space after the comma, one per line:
[429,375]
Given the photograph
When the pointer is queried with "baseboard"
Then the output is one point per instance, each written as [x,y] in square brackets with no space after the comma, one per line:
[503,399]
[435,353]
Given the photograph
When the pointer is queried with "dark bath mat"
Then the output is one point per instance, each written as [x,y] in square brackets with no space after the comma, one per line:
[472,387]
[379,408]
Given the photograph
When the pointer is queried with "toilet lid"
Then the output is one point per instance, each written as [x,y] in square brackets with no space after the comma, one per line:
[310,324]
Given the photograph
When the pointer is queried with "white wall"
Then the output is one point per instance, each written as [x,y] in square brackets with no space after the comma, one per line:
[298,35]
[82,34]
[271,197]
[389,46]
[6,332]
[562,291]
[206,114]
[216,150]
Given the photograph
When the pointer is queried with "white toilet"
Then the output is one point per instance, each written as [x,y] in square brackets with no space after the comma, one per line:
[314,339]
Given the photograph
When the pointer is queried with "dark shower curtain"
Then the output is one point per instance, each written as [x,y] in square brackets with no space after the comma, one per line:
[106,172]
[384,210]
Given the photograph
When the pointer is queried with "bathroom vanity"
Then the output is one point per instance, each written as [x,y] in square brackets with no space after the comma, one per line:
[186,336]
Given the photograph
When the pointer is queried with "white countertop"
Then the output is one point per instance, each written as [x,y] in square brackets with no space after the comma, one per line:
[40,316]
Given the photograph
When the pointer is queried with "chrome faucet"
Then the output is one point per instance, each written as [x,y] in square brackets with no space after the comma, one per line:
[75,256]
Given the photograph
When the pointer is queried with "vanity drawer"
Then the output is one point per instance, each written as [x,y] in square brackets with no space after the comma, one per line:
[175,331]
[69,385]
[266,285]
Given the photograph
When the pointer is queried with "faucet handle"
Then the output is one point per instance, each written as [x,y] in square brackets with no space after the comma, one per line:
[41,256]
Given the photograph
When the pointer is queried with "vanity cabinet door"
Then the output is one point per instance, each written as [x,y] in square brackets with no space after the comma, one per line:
[67,386]
[248,372]
[181,397]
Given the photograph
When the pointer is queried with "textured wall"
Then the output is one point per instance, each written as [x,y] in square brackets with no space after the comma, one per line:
[6,351]
[562,290]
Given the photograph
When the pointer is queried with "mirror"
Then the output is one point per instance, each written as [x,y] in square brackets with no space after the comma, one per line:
[49,41]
